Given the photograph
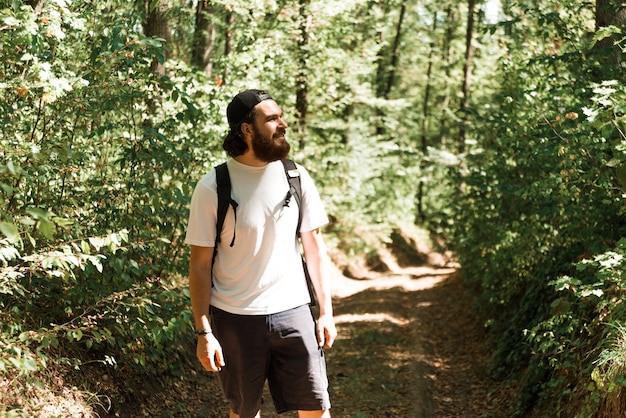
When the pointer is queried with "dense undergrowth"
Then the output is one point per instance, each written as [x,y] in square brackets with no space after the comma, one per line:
[541,233]
[94,181]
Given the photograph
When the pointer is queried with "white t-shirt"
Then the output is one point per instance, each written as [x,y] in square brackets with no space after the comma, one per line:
[262,273]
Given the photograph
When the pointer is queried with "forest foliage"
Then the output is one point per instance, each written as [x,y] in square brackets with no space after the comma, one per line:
[543,241]
[505,136]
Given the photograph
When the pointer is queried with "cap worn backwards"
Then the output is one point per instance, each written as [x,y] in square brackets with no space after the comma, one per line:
[243,103]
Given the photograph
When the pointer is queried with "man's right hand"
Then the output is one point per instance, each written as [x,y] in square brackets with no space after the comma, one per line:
[209,352]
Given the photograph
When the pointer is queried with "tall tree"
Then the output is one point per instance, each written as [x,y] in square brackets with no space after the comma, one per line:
[395,52]
[229,21]
[157,25]
[389,59]
[610,13]
[387,66]
[302,84]
[421,215]
[447,51]
[204,37]
[467,71]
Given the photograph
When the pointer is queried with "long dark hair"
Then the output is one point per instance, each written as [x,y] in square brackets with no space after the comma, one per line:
[234,144]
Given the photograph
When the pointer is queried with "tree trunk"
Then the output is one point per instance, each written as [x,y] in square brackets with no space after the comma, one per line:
[467,70]
[302,84]
[395,55]
[447,57]
[156,25]
[610,13]
[228,47]
[389,73]
[421,215]
[204,37]
[380,82]
[386,74]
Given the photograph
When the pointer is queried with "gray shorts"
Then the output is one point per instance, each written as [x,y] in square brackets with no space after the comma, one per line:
[281,348]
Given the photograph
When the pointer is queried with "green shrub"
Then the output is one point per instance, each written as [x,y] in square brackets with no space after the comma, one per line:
[544,192]
[99,157]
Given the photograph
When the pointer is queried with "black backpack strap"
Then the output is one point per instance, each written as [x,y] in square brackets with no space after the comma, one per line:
[223,202]
[295,191]
[295,188]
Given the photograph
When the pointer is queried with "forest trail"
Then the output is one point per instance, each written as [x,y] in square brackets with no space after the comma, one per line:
[408,346]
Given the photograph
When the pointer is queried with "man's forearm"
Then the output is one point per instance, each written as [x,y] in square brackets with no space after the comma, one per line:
[200,295]
[318,264]
[200,283]
[319,277]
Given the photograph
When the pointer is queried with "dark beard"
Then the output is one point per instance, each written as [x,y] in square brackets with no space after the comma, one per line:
[266,149]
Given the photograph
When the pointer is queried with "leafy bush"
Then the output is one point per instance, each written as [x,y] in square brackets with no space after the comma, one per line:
[544,192]
[94,181]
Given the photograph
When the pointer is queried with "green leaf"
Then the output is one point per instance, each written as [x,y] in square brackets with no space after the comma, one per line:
[84,247]
[615,162]
[561,306]
[29,365]
[95,261]
[11,167]
[37,213]
[46,228]
[10,231]
[606,32]
[97,242]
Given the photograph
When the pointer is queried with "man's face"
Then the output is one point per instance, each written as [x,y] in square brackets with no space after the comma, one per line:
[268,133]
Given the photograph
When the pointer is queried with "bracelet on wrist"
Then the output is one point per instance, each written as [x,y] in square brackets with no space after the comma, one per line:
[204,332]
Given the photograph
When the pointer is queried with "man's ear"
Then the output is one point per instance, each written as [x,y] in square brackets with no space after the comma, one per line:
[246,128]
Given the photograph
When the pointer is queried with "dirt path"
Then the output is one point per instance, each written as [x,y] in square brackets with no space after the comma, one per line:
[408,347]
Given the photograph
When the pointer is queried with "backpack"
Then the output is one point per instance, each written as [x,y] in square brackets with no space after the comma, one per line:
[224,201]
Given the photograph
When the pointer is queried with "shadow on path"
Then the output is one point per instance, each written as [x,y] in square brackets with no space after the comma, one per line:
[409,346]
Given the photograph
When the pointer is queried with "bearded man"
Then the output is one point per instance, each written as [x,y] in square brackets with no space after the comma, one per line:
[252,308]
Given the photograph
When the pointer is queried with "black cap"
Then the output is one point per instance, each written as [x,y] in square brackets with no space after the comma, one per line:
[243,103]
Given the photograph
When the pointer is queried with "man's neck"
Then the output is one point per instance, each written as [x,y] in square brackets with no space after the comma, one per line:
[250,159]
